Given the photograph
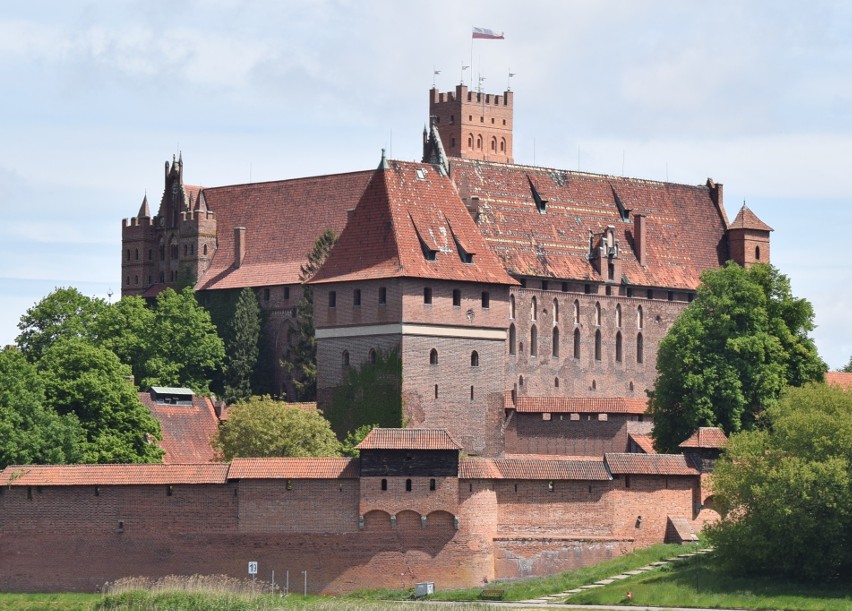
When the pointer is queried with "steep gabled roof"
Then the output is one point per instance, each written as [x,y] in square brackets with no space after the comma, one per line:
[295,468]
[411,223]
[537,221]
[746,219]
[283,220]
[187,429]
[112,475]
[580,405]
[643,441]
[409,439]
[706,437]
[649,464]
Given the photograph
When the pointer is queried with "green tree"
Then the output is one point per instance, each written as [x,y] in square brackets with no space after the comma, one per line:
[785,491]
[303,362]
[242,347]
[847,368]
[65,312]
[91,383]
[184,348]
[125,327]
[30,431]
[263,427]
[730,353]
[353,438]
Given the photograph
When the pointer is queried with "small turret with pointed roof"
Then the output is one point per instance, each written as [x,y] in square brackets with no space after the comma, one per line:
[748,238]
[144,210]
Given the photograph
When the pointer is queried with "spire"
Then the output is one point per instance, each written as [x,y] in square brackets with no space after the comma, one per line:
[201,203]
[746,219]
[383,164]
[433,149]
[144,211]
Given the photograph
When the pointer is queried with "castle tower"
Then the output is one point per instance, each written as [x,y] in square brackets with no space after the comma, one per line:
[474,125]
[138,240]
[748,239]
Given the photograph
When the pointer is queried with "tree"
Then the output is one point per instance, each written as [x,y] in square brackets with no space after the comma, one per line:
[125,327]
[353,438]
[730,353]
[785,492]
[303,362]
[847,368]
[30,431]
[263,427]
[184,348]
[242,347]
[65,312]
[91,383]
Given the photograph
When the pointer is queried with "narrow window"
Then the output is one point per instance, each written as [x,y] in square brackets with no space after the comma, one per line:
[266,294]
[670,296]
[640,349]
[627,481]
[494,144]
[630,291]
[650,294]
[471,393]
[486,300]
[533,341]
[474,359]
[545,285]
[286,292]
[555,342]
[135,279]
[640,318]
[556,384]
[436,391]
[550,486]
[512,306]
[555,312]
[345,358]
[757,253]
[618,347]
[433,357]
[576,312]
[576,343]
[128,254]
[383,295]
[136,254]
[534,309]
[597,314]
[597,345]
[427,295]
[170,490]
[520,380]
[587,288]
[289,484]
[384,485]
[205,250]
[618,316]
[332,299]
[371,356]
[432,484]
[479,142]
[356,297]
[456,298]
[512,339]
[470,142]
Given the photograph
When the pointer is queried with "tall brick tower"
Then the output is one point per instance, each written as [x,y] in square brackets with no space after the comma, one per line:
[472,124]
[748,239]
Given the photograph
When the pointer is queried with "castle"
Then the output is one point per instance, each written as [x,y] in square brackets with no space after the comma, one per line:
[525,304]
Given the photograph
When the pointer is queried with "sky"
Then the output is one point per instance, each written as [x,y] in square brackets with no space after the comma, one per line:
[96,96]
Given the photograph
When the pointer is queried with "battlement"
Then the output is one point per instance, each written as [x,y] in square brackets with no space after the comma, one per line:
[462,94]
[136,221]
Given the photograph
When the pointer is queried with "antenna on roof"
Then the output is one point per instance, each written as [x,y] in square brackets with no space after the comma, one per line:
[463,68]
[509,80]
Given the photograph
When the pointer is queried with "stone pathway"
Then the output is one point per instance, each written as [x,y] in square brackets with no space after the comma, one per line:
[561,596]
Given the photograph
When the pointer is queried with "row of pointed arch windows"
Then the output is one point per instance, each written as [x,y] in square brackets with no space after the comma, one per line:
[494,143]
[640,317]
[554,344]
[474,358]
[371,357]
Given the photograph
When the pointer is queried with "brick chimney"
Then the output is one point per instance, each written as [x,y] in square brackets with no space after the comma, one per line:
[640,237]
[239,245]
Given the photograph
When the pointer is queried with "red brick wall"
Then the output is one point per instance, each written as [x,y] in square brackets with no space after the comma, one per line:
[420,499]
[588,436]
[654,498]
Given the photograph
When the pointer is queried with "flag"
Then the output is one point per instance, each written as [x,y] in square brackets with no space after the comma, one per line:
[487,34]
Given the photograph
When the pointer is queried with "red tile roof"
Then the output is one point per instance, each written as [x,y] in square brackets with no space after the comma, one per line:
[113,475]
[533,467]
[746,219]
[283,220]
[685,228]
[409,439]
[295,468]
[649,464]
[706,437]
[408,209]
[580,405]
[839,378]
[645,442]
[187,429]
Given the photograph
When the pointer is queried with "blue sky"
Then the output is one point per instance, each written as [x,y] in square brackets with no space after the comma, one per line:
[96,96]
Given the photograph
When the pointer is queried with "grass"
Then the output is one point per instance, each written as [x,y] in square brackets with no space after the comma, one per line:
[65,602]
[698,582]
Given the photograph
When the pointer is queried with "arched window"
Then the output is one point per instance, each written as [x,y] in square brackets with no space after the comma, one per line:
[470,141]
[555,312]
[594,385]
[511,306]
[502,145]
[345,359]
[556,382]
[576,343]
[640,348]
[640,318]
[597,345]
[474,359]
[520,380]
[597,314]
[408,485]
[757,253]
[533,341]
[136,254]
[128,254]
[618,316]
[618,347]
[512,339]
[534,309]
[479,142]
[576,312]
[555,342]
[494,144]
[135,279]
[433,357]
[205,250]
[371,356]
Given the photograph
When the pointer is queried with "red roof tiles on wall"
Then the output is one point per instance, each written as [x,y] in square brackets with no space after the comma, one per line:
[533,468]
[409,439]
[706,437]
[580,405]
[295,468]
[112,475]
[649,464]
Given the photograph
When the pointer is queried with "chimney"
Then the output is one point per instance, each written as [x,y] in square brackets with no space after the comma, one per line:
[640,236]
[239,245]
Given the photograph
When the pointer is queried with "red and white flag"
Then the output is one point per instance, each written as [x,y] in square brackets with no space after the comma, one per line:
[487,34]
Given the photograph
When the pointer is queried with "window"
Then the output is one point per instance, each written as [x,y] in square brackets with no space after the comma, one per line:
[471,393]
[597,314]
[512,339]
[597,345]
[457,298]
[345,359]
[332,299]
[433,357]
[266,294]
[618,316]
[640,349]
[136,254]
[470,142]
[587,289]
[670,296]
[479,142]
[436,391]
[474,359]
[494,144]
[545,285]
[205,250]
[757,253]
[286,292]
[511,306]
[576,312]
[534,309]
[555,312]
[371,356]
[427,295]
[556,382]
[576,343]
[640,318]
[618,347]
[128,254]
[486,300]
[383,295]
[432,484]
[533,341]
[555,342]
[384,485]
[408,485]
[520,380]
[650,293]
[503,141]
